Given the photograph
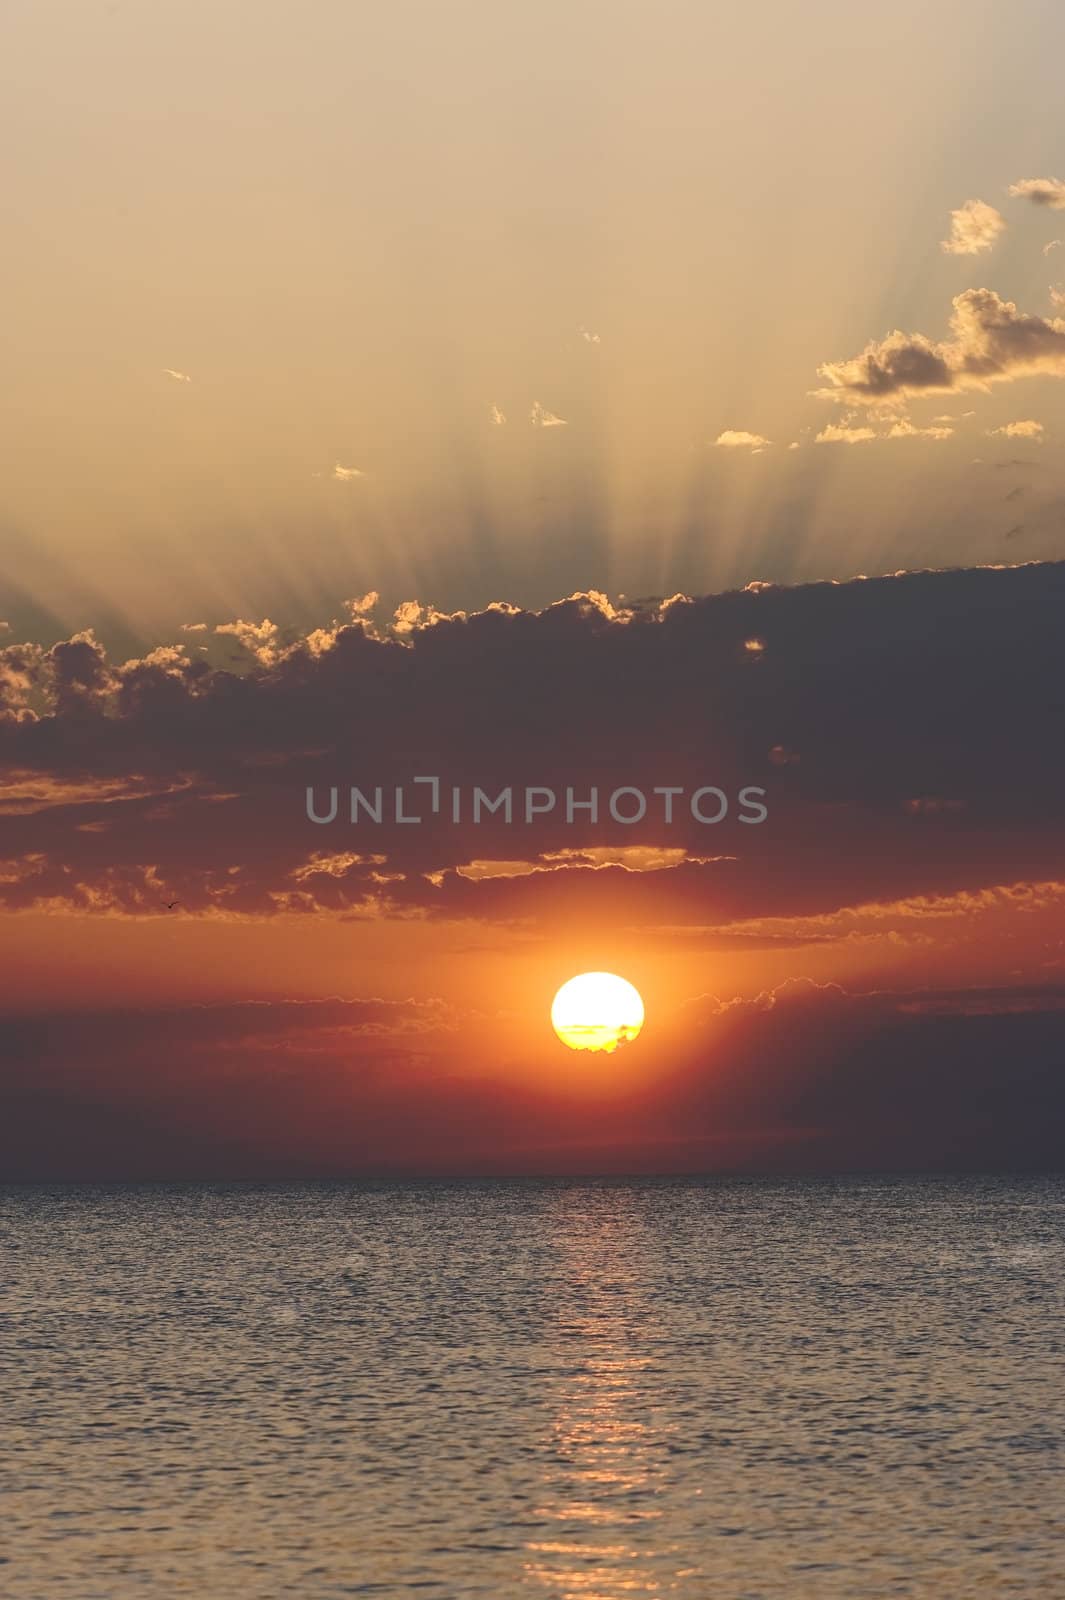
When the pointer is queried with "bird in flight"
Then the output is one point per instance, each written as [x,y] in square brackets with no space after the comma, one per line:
[170,904]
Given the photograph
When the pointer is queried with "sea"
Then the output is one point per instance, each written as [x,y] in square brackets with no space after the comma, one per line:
[746,1389]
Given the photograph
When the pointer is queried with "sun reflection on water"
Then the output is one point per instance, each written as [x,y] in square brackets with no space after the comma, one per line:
[605,1460]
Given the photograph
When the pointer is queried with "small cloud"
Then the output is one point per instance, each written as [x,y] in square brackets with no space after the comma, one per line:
[1057,294]
[346,474]
[991,342]
[194,627]
[1041,192]
[905,429]
[408,615]
[5,627]
[835,434]
[364,603]
[260,639]
[974,228]
[740,439]
[1048,249]
[178,377]
[542,418]
[795,445]
[1019,430]
[496,417]
[589,338]
[1014,532]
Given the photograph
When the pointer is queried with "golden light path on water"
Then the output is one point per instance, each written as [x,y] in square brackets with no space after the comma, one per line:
[606,1454]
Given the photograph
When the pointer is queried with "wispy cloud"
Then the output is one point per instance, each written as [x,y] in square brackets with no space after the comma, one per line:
[905,429]
[1055,244]
[1041,192]
[346,474]
[178,377]
[1025,429]
[740,439]
[589,338]
[835,434]
[496,417]
[540,417]
[974,228]
[194,627]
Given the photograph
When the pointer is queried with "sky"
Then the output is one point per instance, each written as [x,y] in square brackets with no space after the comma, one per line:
[574,395]
[356,230]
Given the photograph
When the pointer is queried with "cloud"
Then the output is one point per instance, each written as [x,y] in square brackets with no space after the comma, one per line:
[589,338]
[194,627]
[541,418]
[363,603]
[1019,430]
[994,341]
[851,432]
[974,228]
[905,429]
[902,364]
[407,616]
[991,342]
[740,439]
[510,697]
[1057,294]
[1055,244]
[260,639]
[345,474]
[1041,192]
[179,377]
[496,417]
[844,434]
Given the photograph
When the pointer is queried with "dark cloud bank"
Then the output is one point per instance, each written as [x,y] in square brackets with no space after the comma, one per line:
[907,731]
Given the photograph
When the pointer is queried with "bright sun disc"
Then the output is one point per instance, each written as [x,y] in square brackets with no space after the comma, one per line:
[596,1011]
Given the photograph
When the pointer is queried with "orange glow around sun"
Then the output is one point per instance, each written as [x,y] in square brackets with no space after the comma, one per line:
[597,1011]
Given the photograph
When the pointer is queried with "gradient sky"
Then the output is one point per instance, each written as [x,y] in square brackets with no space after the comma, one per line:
[328,328]
[873,975]
[357,229]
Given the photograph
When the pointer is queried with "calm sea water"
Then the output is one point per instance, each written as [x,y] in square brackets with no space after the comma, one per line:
[591,1390]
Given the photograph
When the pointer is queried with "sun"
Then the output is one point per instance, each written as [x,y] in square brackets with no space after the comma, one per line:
[596,1011]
